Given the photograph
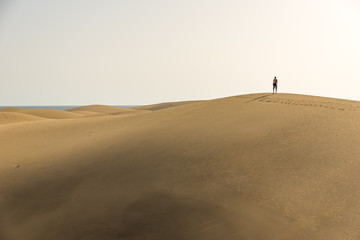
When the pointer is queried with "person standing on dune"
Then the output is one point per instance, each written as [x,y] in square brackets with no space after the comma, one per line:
[275,83]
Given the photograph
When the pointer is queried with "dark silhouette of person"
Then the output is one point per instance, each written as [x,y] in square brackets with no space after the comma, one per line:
[275,83]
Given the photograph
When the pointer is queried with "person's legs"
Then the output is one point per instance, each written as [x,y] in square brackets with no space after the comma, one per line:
[276,88]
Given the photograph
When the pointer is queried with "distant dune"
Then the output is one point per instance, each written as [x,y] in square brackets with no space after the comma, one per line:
[100,109]
[159,106]
[89,113]
[44,113]
[14,117]
[256,166]
[12,109]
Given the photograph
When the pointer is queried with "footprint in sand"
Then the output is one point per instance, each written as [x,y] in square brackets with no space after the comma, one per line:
[18,165]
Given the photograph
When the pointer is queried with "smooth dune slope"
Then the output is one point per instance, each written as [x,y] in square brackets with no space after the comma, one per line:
[105,110]
[89,113]
[14,117]
[44,113]
[159,106]
[12,109]
[257,166]
[98,108]
[101,109]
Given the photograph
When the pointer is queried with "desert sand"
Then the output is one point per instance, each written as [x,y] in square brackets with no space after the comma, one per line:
[256,166]
[44,113]
[154,107]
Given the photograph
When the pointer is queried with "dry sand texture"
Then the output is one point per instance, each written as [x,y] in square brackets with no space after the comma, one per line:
[155,107]
[44,113]
[257,166]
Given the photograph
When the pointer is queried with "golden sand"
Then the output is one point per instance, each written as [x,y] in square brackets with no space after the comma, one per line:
[257,166]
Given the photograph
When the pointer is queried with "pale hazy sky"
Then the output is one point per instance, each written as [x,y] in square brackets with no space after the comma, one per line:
[140,51]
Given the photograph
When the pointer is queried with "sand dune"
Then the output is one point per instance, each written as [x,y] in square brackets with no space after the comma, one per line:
[106,110]
[85,111]
[90,114]
[159,106]
[44,113]
[14,117]
[12,109]
[257,166]
[101,109]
